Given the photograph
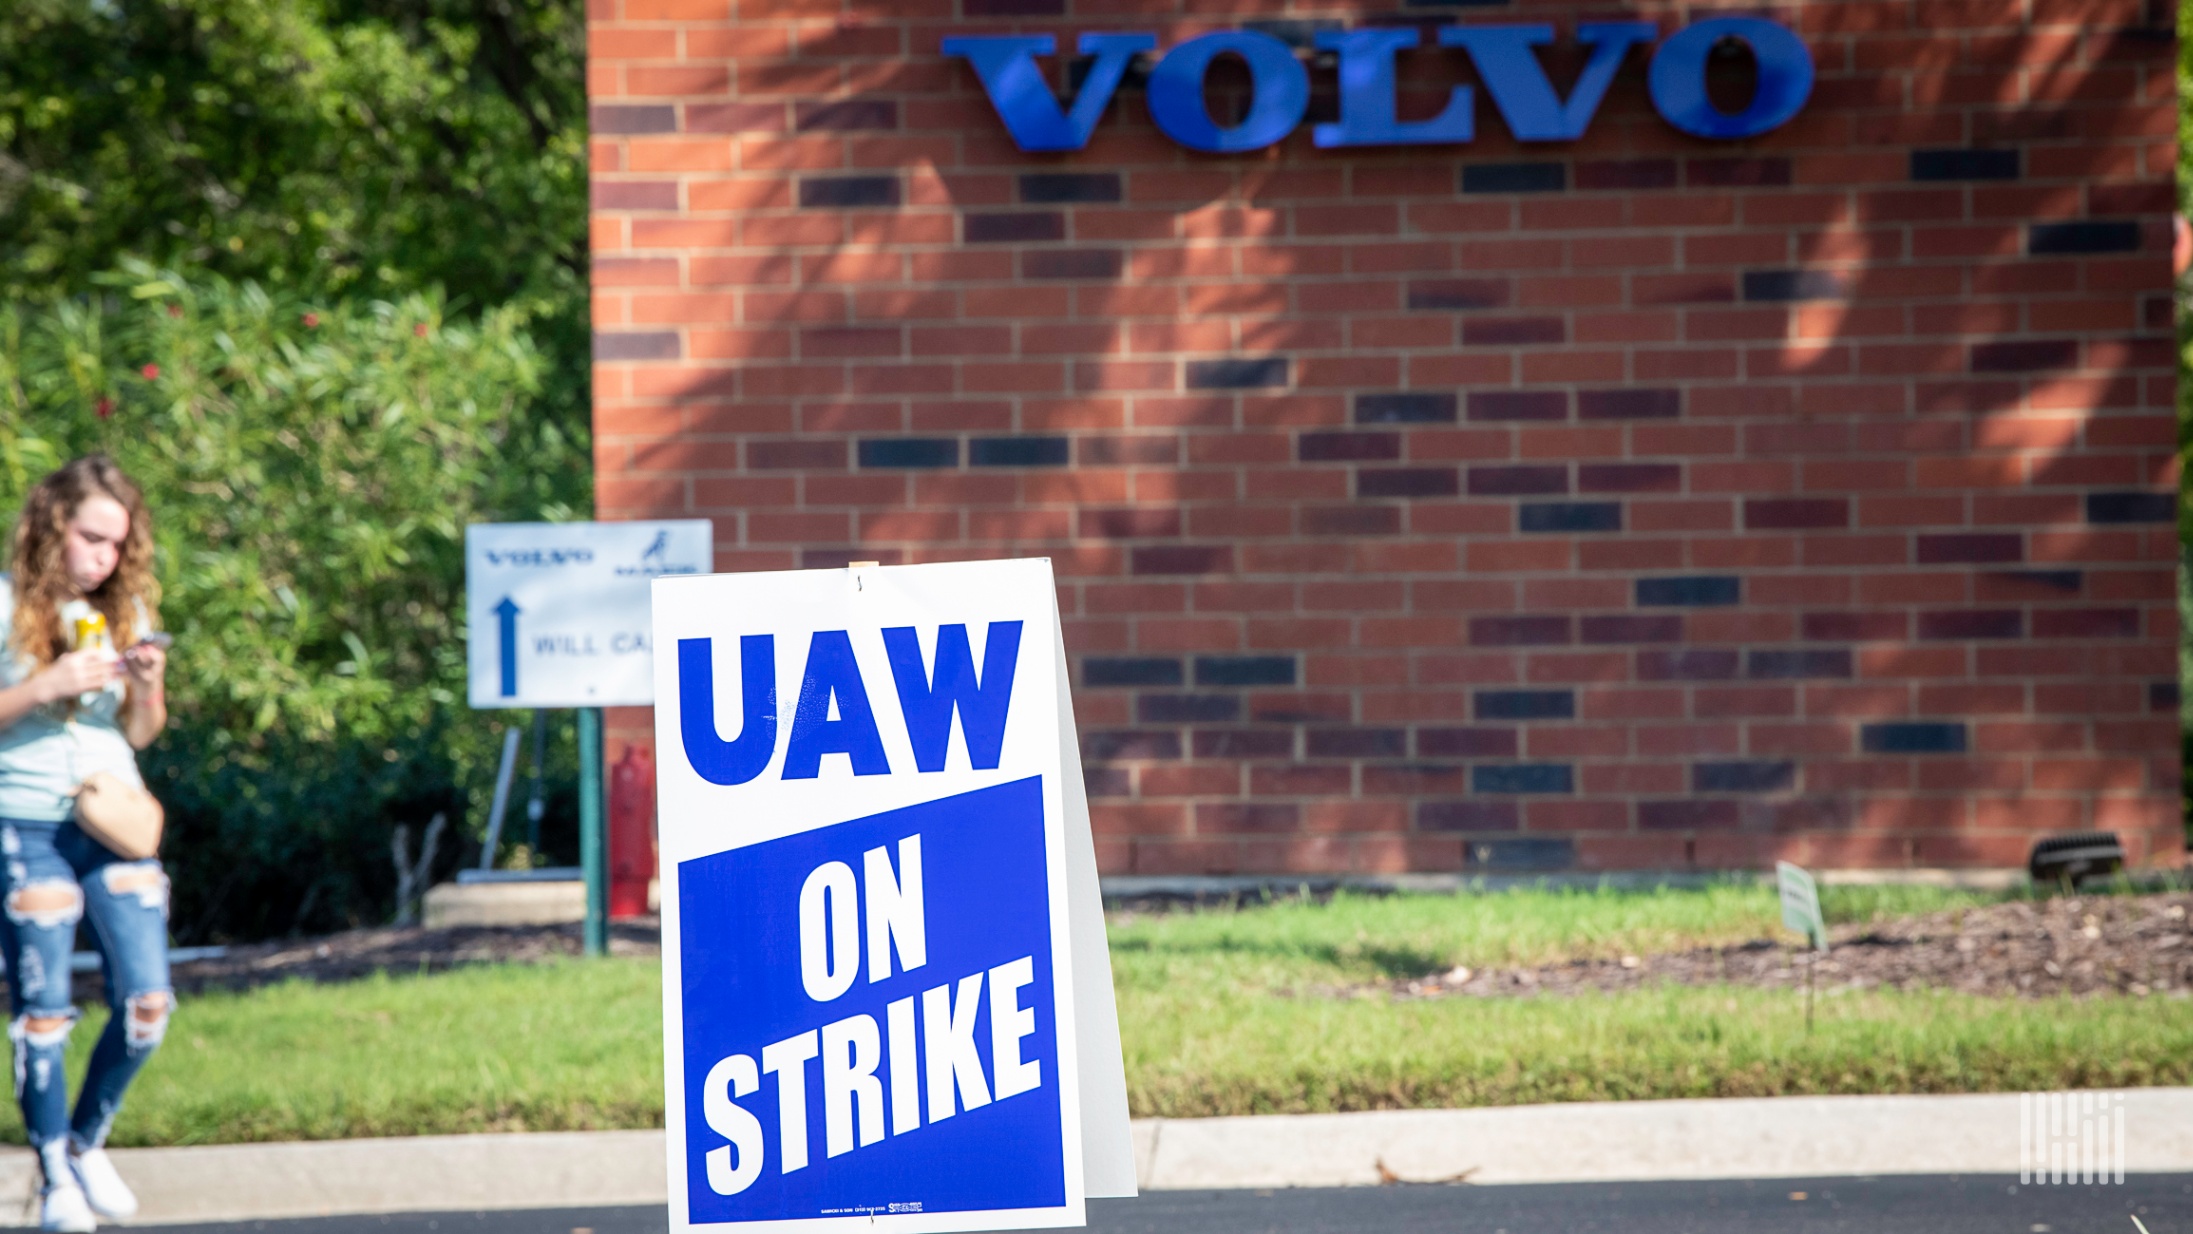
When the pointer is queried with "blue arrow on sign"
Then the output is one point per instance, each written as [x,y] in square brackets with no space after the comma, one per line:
[507,612]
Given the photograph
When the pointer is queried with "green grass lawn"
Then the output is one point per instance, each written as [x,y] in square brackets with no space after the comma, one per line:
[1212,1019]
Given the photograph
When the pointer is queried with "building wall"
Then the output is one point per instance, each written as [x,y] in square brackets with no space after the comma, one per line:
[1640,501]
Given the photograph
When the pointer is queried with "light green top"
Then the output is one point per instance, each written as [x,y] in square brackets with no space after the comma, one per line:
[47,753]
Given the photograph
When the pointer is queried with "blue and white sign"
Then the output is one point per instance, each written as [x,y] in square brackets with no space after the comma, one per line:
[558,611]
[887,1000]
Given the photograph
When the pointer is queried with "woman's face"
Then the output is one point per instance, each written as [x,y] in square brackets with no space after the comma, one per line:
[91,546]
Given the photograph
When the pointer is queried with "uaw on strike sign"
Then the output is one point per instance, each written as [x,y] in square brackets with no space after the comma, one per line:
[887,1001]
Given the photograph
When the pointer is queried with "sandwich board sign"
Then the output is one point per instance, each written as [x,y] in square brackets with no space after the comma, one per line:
[887,999]
[558,611]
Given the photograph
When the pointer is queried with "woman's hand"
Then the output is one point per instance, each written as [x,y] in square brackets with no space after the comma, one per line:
[147,666]
[78,672]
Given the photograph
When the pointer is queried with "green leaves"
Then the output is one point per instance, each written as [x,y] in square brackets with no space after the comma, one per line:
[310,486]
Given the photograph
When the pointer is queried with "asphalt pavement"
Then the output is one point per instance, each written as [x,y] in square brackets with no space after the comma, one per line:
[1891,1205]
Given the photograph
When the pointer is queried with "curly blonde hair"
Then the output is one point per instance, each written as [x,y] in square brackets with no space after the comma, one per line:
[129,595]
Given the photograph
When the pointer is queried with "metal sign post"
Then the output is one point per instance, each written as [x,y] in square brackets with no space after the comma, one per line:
[559,617]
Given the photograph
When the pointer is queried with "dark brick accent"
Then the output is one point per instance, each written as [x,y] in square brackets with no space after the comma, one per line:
[2086,623]
[1854,627]
[845,115]
[1570,516]
[1513,332]
[1743,776]
[909,452]
[1523,778]
[1525,704]
[1018,227]
[1407,482]
[1632,628]
[1795,513]
[2131,507]
[1107,781]
[1134,523]
[1532,853]
[1515,177]
[1433,294]
[1926,737]
[1519,405]
[1806,662]
[1187,708]
[1651,404]
[1738,173]
[1971,623]
[2090,236]
[1787,285]
[1018,452]
[636,345]
[1014,8]
[1072,264]
[1520,630]
[1469,816]
[1964,164]
[1351,521]
[1347,447]
[842,192]
[1183,559]
[1465,743]
[1130,743]
[1356,742]
[1627,174]
[1244,670]
[1629,477]
[1406,407]
[1130,671]
[1129,451]
[1687,814]
[2025,356]
[1693,590]
[1525,481]
[1245,743]
[617,120]
[2066,582]
[1053,188]
[1687,664]
[1262,372]
[1257,818]
[2163,696]
[1971,547]
[814,454]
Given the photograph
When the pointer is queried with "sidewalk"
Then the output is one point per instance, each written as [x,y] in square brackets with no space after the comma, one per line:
[1785,1137]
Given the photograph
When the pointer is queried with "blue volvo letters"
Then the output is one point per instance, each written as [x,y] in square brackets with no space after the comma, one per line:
[1504,55]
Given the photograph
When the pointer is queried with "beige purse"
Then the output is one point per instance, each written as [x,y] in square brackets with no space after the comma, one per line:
[120,815]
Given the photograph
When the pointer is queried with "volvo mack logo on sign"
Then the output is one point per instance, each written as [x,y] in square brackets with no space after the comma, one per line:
[1280,85]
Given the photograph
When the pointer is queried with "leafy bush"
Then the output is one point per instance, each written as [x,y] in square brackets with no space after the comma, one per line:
[310,468]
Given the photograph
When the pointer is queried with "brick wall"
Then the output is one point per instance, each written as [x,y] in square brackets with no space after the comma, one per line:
[1636,502]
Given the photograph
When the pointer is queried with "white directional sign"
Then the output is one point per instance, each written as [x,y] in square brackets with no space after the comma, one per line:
[559,611]
[887,999]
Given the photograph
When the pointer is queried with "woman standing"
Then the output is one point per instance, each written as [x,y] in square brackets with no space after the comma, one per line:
[72,707]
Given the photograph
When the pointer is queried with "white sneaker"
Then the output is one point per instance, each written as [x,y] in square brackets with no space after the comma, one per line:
[62,1207]
[110,1197]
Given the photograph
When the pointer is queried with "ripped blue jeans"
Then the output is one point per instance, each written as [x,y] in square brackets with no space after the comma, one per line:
[52,876]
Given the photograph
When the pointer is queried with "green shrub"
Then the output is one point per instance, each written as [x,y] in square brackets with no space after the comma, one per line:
[311,468]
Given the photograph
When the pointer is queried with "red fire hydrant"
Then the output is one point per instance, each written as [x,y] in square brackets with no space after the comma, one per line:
[631,832]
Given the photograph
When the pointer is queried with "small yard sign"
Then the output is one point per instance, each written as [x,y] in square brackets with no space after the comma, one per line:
[558,611]
[887,1000]
[1801,903]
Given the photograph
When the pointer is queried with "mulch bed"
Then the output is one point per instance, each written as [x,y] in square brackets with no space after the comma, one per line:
[393,949]
[2080,946]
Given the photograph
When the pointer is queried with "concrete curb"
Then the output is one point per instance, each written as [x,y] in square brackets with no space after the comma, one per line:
[1779,1137]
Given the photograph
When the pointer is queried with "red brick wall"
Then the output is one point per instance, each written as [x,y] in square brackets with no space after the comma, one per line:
[1660,503]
